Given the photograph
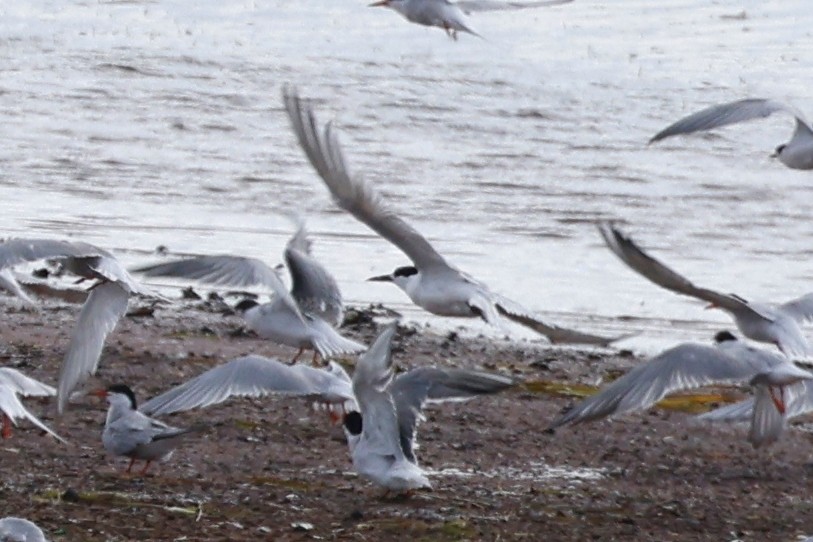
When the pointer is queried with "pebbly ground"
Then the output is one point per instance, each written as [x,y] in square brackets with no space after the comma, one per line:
[273,469]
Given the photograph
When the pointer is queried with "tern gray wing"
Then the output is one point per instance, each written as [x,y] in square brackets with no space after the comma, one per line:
[798,402]
[312,286]
[652,269]
[220,270]
[24,385]
[469,6]
[413,389]
[725,114]
[353,193]
[225,270]
[555,334]
[11,406]
[9,283]
[371,382]
[104,307]
[108,268]
[683,367]
[17,251]
[800,309]
[252,376]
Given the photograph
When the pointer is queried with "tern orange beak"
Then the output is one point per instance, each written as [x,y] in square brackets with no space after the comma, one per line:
[100,393]
[380,3]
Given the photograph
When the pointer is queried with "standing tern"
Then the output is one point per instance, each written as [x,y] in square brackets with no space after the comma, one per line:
[451,16]
[130,433]
[105,305]
[763,322]
[20,530]
[381,435]
[682,367]
[432,283]
[796,153]
[12,384]
[304,318]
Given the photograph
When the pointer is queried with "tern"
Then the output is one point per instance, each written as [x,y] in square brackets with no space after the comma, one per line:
[431,282]
[330,387]
[451,16]
[793,386]
[258,376]
[20,530]
[105,305]
[304,318]
[12,384]
[763,322]
[131,433]
[796,153]
[683,367]
[381,435]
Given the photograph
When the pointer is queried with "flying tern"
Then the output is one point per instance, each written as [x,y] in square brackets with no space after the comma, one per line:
[258,376]
[381,435]
[792,387]
[682,367]
[20,530]
[304,318]
[12,384]
[763,322]
[431,282]
[796,153]
[131,433]
[105,305]
[330,387]
[451,16]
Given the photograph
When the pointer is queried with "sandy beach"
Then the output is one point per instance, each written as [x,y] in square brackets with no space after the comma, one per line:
[274,469]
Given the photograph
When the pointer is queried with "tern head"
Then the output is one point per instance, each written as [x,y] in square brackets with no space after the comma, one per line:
[401,277]
[724,336]
[244,306]
[352,428]
[118,394]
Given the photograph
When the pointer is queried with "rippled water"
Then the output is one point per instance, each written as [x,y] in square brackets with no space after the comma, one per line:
[133,124]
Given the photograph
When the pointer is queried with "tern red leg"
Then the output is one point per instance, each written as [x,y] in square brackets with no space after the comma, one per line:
[296,357]
[778,401]
[6,433]
[315,358]
[144,470]
[130,466]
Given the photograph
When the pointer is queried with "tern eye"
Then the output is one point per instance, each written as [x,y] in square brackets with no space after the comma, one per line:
[353,423]
[405,271]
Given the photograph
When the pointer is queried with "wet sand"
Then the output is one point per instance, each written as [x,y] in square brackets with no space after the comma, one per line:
[273,469]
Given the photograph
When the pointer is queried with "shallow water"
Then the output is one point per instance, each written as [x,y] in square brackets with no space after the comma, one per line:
[135,124]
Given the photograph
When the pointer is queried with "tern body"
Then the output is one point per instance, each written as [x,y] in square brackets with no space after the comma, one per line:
[451,16]
[130,433]
[776,324]
[797,153]
[431,282]
[382,434]
[303,318]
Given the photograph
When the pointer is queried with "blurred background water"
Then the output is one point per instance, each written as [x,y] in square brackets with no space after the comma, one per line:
[133,124]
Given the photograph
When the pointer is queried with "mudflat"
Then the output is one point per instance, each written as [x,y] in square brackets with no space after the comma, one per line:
[275,469]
